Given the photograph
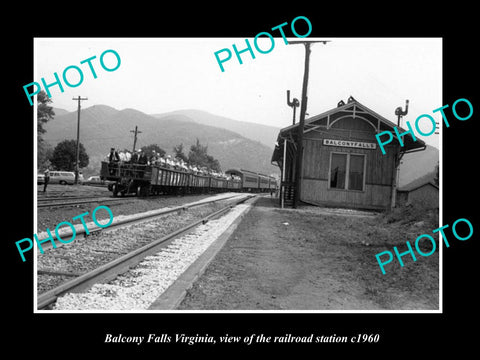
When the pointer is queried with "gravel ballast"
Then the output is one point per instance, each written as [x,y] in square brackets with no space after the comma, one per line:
[143,284]
[86,254]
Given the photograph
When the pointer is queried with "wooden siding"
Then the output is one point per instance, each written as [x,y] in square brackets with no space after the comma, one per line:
[349,123]
[374,196]
[316,162]
[316,165]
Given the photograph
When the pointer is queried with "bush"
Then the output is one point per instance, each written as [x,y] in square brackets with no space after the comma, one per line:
[412,213]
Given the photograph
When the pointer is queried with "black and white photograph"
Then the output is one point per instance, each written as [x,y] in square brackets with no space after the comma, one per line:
[152,143]
[281,185]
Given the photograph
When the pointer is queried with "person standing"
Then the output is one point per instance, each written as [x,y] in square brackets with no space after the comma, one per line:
[142,158]
[113,159]
[135,157]
[46,175]
[113,156]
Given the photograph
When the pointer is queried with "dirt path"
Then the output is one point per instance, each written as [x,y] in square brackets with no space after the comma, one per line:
[295,260]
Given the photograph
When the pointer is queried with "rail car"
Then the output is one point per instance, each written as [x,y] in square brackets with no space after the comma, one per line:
[144,180]
[254,182]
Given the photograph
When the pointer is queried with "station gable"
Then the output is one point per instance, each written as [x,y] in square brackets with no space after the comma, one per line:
[351,120]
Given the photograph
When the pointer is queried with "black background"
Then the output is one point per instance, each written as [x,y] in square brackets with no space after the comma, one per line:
[84,334]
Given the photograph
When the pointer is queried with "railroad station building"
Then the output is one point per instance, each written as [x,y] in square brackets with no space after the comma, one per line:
[342,166]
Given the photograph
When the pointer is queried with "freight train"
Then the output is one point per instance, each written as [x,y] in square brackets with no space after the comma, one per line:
[143,180]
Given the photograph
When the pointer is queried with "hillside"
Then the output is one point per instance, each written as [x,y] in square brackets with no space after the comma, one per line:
[59,112]
[418,164]
[267,135]
[102,127]
[427,178]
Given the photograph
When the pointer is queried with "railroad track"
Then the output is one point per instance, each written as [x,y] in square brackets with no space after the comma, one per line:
[79,200]
[110,270]
[60,198]
[76,201]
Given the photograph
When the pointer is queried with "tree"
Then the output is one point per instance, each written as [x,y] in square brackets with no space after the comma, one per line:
[179,154]
[148,150]
[436,179]
[44,154]
[213,163]
[44,114]
[64,156]
[198,156]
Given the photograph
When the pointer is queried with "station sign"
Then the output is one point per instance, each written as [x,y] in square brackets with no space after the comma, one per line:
[349,143]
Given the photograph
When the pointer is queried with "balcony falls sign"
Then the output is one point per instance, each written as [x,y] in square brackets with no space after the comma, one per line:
[349,143]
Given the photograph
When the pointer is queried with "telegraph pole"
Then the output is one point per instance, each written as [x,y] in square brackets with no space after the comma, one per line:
[303,109]
[77,152]
[135,137]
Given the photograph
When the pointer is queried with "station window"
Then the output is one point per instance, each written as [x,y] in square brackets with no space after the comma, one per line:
[338,169]
[355,174]
[347,171]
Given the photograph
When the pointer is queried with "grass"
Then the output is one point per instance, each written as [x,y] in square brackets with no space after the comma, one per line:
[312,259]
[416,283]
[351,243]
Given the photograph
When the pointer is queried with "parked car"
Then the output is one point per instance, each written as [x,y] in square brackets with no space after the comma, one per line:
[40,179]
[94,180]
[62,177]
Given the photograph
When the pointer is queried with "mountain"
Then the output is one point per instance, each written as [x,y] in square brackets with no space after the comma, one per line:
[59,112]
[418,164]
[427,178]
[267,135]
[102,127]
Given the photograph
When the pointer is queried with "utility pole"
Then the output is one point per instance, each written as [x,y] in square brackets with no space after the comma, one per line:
[303,109]
[135,137]
[398,158]
[77,152]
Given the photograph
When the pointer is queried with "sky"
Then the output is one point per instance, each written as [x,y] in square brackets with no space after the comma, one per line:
[158,75]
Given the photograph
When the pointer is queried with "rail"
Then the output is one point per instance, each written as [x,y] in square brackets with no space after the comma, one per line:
[123,263]
[46,203]
[79,230]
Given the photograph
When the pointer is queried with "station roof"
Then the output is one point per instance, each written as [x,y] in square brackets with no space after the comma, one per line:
[354,109]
